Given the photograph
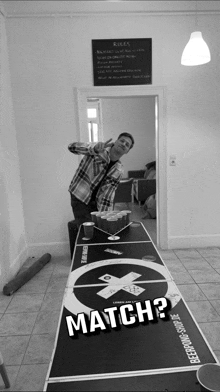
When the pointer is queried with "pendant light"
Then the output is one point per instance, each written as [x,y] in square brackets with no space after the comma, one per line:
[196,51]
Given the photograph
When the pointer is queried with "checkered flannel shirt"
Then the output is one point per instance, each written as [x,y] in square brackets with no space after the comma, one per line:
[91,171]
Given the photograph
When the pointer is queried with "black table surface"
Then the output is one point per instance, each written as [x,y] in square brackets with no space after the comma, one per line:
[149,356]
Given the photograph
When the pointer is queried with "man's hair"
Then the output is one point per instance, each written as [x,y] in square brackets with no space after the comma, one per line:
[127,135]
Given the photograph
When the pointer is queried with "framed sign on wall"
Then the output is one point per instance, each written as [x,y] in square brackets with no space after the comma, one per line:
[122,61]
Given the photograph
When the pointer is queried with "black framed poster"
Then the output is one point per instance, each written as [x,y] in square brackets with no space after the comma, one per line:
[122,61]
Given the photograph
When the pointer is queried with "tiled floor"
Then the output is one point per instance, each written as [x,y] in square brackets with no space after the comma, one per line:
[28,319]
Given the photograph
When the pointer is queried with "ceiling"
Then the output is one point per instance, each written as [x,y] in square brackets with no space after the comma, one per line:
[15,8]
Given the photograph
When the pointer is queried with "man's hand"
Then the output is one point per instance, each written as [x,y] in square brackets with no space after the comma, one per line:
[101,146]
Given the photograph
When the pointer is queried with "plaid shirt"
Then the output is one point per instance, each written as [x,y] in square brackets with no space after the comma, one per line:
[91,171]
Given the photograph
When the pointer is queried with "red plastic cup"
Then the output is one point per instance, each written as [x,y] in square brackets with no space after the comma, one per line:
[120,221]
[110,215]
[208,376]
[124,218]
[93,216]
[88,229]
[112,225]
[128,212]
[98,217]
[104,225]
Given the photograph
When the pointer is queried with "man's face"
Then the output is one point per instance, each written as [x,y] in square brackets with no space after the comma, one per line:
[123,145]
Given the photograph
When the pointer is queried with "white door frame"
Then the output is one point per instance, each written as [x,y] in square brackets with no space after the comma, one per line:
[81,95]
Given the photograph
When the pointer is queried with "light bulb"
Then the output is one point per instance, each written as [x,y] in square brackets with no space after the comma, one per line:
[196,51]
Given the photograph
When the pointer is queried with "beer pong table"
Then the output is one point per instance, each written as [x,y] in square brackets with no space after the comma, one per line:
[155,355]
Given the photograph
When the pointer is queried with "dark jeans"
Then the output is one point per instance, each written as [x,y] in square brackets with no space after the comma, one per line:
[81,210]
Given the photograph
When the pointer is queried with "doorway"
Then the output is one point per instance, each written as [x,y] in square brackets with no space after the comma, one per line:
[81,95]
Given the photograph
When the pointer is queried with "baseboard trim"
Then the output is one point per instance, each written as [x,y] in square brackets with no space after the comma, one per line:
[54,248]
[20,259]
[15,266]
[194,241]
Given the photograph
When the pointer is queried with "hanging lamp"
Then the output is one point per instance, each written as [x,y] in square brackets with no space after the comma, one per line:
[196,51]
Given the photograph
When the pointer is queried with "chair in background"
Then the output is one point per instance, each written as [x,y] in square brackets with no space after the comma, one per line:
[144,182]
[143,189]
[124,192]
[136,173]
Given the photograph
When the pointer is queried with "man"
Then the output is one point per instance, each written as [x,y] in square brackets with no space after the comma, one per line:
[98,175]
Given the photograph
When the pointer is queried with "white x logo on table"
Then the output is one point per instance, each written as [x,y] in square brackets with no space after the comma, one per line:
[117,284]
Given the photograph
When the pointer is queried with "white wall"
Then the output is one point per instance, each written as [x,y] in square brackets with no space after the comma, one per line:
[51,55]
[134,115]
[13,247]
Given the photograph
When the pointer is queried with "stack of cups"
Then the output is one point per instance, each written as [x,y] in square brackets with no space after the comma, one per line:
[107,220]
